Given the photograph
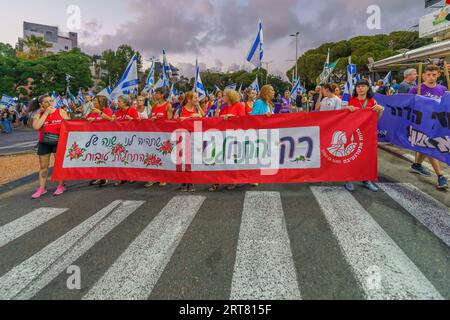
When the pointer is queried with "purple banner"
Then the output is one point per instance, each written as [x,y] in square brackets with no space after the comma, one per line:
[416,123]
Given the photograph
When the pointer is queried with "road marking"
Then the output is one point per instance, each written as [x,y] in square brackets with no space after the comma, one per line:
[264,268]
[23,225]
[20,145]
[380,266]
[136,272]
[428,211]
[28,278]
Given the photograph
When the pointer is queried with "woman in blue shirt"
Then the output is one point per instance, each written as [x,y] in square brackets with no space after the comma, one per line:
[263,106]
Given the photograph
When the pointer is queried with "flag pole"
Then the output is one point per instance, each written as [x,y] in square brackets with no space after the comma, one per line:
[447,75]
[419,87]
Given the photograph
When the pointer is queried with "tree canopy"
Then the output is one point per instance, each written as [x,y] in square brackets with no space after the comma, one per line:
[310,64]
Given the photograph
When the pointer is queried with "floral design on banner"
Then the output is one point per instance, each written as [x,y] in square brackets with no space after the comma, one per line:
[75,152]
[166,148]
[118,149]
[151,160]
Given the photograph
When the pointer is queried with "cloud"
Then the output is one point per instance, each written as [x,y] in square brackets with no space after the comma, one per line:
[188,69]
[156,25]
[208,28]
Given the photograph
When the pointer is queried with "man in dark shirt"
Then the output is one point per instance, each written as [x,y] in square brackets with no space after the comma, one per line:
[409,82]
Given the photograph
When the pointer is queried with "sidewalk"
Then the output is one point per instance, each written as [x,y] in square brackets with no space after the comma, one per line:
[410,156]
[15,167]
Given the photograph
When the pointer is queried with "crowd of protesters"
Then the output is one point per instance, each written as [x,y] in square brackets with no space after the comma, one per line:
[14,117]
[230,103]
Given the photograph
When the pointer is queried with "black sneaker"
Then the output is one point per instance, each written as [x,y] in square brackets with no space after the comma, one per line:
[442,183]
[420,169]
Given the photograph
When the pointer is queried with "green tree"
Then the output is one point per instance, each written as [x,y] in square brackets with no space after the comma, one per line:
[34,47]
[115,63]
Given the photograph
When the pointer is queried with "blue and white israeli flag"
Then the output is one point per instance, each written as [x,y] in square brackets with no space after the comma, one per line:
[80,97]
[167,70]
[198,85]
[106,93]
[150,82]
[255,85]
[256,54]
[388,79]
[129,81]
[8,101]
[231,87]
[295,89]
[347,93]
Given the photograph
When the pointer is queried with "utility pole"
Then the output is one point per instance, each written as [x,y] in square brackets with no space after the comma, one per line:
[296,53]
[267,69]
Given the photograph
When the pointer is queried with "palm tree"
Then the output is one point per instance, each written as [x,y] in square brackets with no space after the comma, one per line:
[36,47]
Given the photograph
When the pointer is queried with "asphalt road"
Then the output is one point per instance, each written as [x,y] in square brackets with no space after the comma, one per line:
[312,241]
[21,140]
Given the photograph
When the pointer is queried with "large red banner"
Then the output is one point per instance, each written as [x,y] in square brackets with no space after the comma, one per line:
[295,148]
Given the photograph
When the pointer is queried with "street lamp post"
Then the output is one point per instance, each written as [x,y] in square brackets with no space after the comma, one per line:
[296,53]
[267,70]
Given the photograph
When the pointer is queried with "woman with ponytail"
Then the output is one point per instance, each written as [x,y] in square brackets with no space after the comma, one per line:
[47,121]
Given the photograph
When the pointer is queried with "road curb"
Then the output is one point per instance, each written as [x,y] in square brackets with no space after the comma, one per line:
[394,152]
[21,182]
[20,153]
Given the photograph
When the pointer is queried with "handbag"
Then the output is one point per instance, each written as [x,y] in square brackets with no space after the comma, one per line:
[50,139]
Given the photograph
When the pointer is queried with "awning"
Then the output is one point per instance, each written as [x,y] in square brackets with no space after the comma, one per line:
[401,61]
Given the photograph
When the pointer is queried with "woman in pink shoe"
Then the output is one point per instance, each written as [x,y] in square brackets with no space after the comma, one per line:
[48,122]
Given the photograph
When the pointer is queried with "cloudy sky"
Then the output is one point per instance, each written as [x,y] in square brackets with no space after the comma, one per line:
[219,32]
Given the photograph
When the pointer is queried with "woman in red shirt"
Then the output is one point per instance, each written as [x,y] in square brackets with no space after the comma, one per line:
[233,108]
[190,110]
[249,97]
[101,111]
[162,109]
[48,121]
[363,99]
[125,112]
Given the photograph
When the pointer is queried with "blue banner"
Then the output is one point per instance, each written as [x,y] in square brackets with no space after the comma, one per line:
[416,123]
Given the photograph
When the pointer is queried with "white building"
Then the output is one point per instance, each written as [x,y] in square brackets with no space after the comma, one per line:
[60,41]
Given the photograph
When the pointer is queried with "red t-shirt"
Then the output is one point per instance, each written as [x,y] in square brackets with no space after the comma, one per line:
[94,116]
[131,112]
[52,124]
[248,109]
[160,112]
[187,114]
[359,104]
[236,109]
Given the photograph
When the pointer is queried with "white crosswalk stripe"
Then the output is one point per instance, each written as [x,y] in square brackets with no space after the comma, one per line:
[264,268]
[432,214]
[31,221]
[381,267]
[264,264]
[136,272]
[28,278]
